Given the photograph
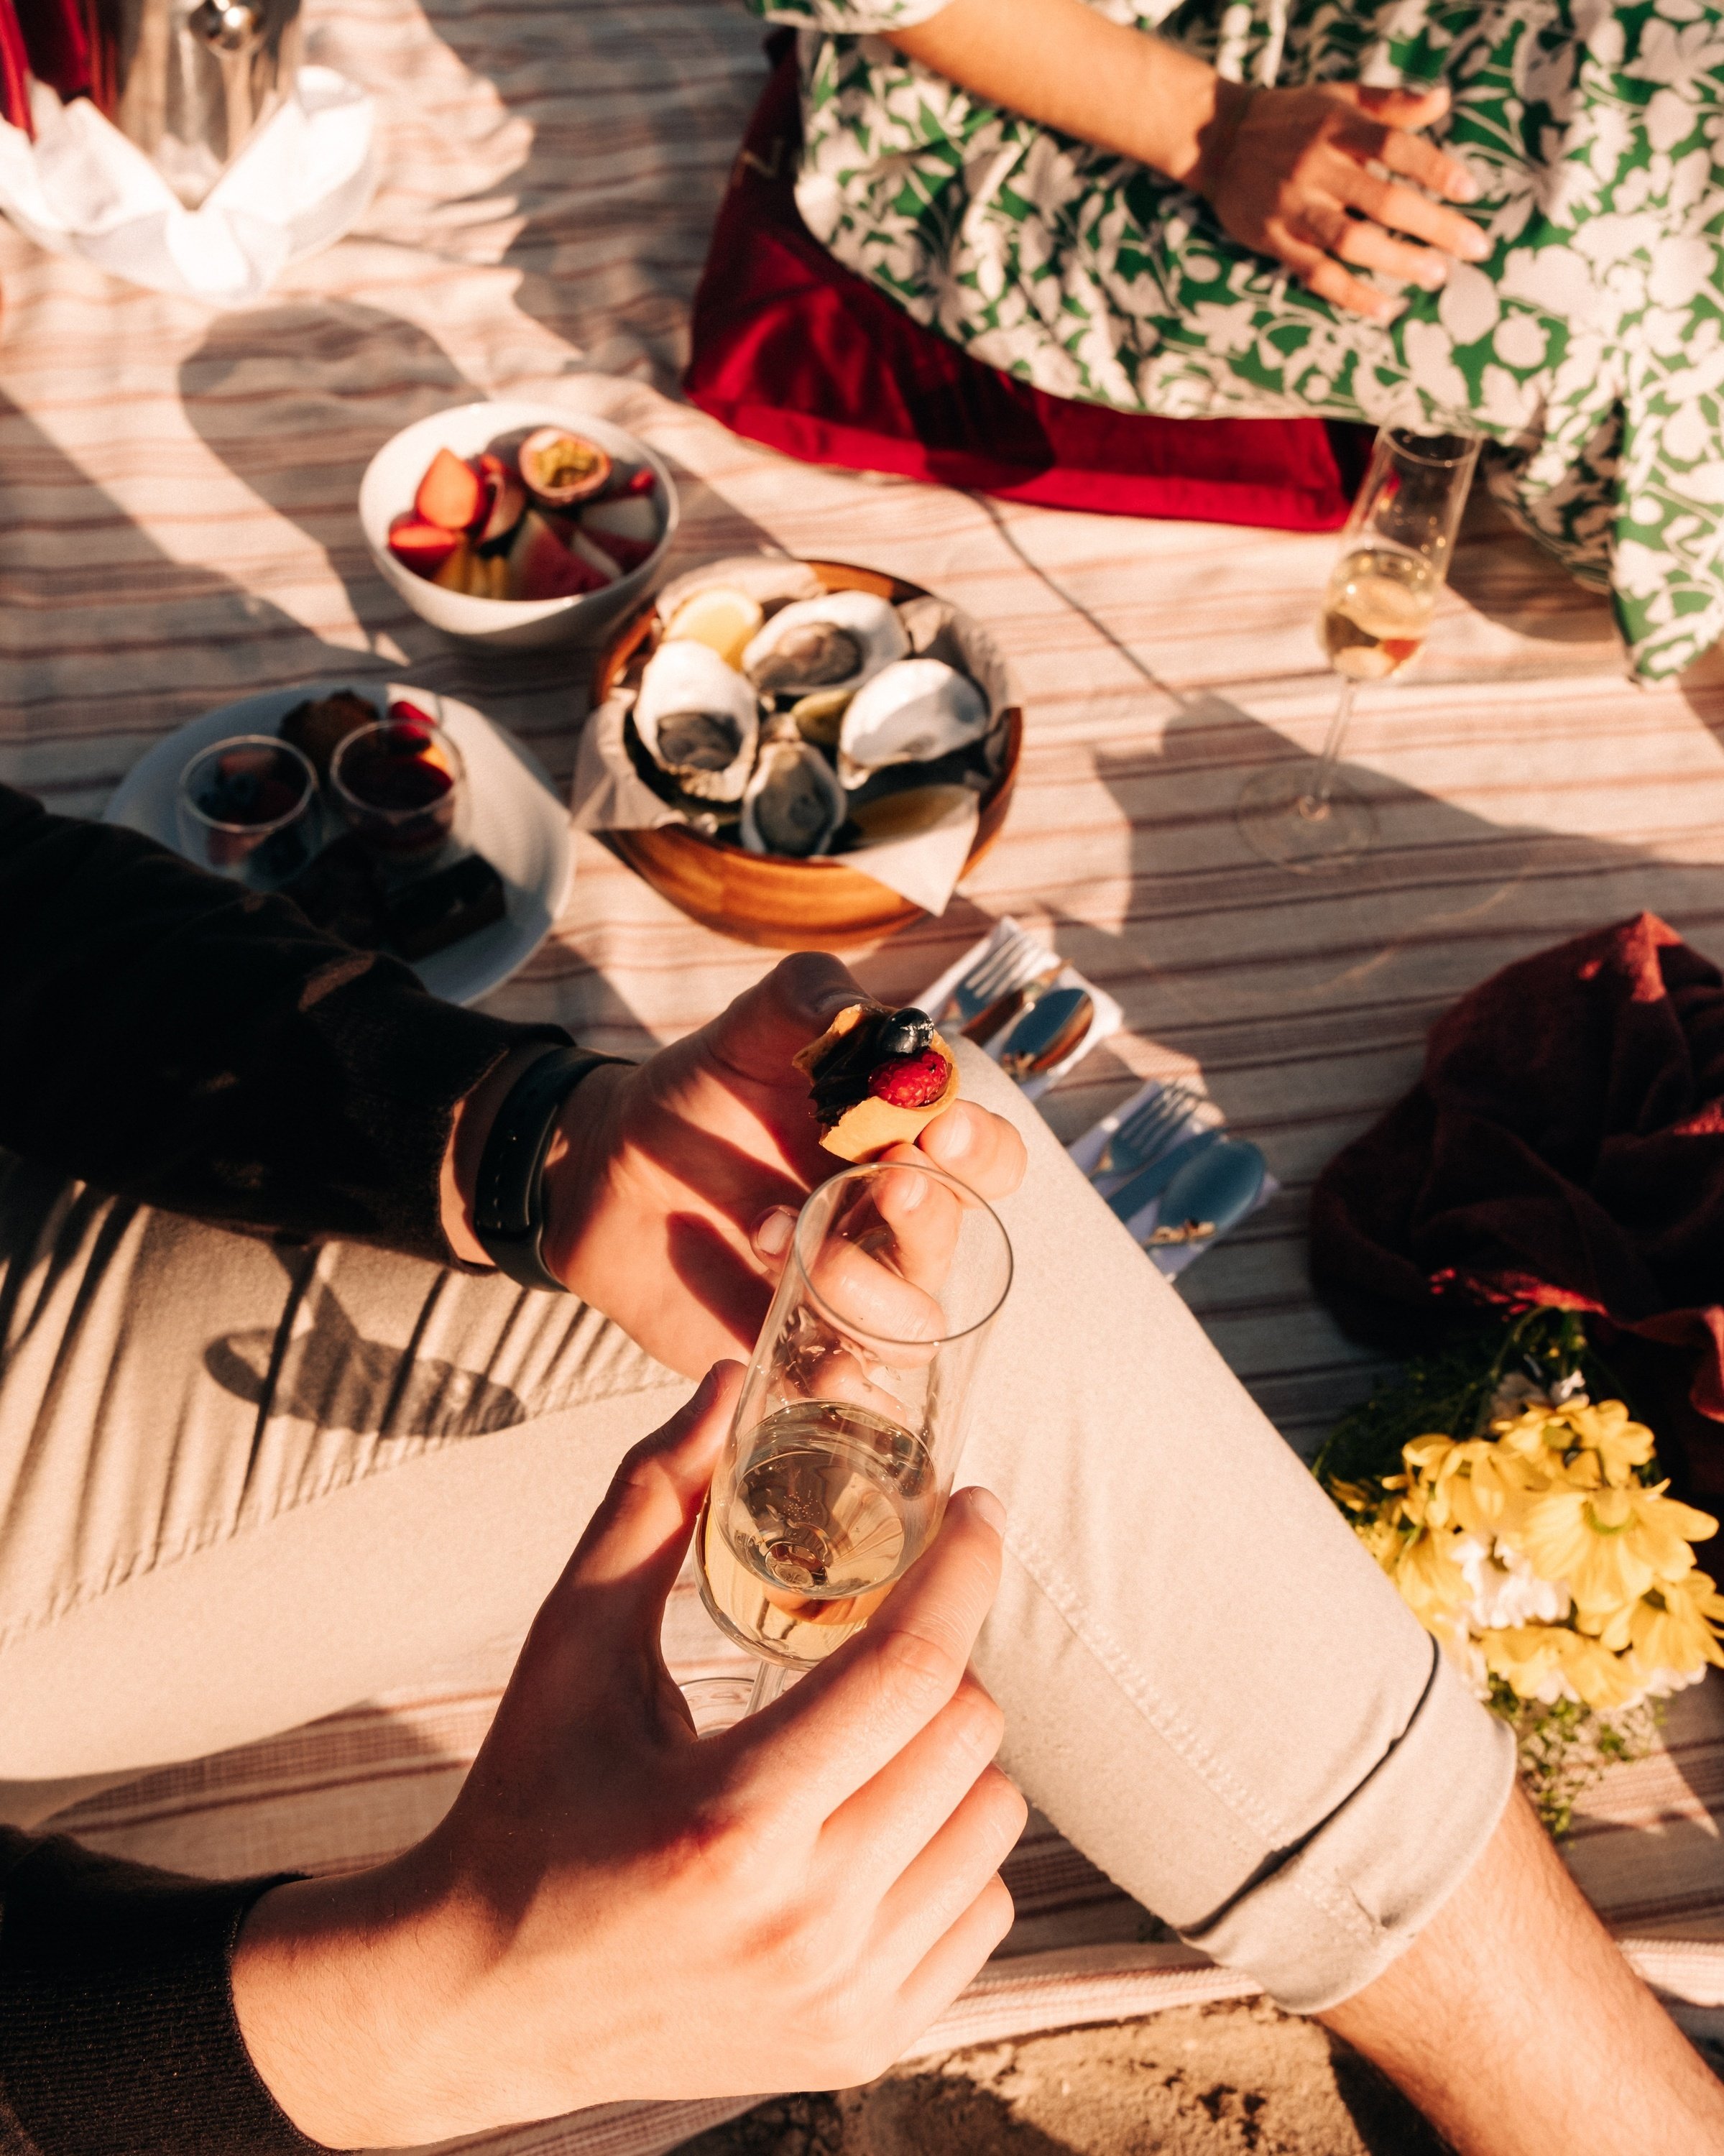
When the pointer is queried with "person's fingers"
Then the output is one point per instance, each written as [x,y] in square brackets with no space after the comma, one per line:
[1404,209]
[1323,275]
[755,1036]
[944,1879]
[926,1217]
[981,1149]
[772,1237]
[886,1824]
[1400,107]
[955,1960]
[833,1734]
[612,1593]
[1367,246]
[867,1295]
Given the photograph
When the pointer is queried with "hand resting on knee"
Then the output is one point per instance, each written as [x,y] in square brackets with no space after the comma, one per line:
[613,1908]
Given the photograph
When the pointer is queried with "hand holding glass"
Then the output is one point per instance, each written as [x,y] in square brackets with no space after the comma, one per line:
[852,1414]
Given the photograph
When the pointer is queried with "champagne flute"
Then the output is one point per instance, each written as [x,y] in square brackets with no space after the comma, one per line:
[851,1418]
[1377,611]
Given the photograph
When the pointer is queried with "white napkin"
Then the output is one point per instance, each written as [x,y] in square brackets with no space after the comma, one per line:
[82,188]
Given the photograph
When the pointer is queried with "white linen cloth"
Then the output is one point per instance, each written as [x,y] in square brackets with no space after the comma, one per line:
[82,188]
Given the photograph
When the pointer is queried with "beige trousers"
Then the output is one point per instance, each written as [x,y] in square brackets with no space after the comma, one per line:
[242,1487]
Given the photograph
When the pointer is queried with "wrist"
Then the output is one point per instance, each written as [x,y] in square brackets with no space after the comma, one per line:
[588,1140]
[1217,131]
[366,2006]
[322,1991]
[474,1117]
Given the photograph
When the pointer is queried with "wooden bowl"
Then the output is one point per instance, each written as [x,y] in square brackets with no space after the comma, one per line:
[761,898]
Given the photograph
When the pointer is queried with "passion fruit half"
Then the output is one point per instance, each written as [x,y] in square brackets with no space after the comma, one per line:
[561,468]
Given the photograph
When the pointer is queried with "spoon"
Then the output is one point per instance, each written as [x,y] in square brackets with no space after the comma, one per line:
[1136,1193]
[1049,1030]
[1211,1191]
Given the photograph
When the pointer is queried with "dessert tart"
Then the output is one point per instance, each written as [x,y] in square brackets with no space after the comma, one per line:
[877,1079]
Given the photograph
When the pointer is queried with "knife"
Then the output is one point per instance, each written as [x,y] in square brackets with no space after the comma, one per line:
[1137,1191]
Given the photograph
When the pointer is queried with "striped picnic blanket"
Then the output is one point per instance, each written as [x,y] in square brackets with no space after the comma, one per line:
[179,529]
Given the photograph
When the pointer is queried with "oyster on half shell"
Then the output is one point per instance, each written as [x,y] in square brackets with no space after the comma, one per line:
[910,713]
[698,720]
[793,804]
[837,641]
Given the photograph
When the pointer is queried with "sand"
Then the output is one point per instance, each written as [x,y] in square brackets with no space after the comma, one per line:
[1198,2081]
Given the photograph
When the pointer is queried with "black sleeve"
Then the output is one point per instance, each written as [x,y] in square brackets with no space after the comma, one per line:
[175,1039]
[117,2030]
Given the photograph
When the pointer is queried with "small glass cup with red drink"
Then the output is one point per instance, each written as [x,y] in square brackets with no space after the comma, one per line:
[248,808]
[399,785]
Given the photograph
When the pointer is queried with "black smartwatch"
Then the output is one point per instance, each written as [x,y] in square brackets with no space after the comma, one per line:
[509,1205]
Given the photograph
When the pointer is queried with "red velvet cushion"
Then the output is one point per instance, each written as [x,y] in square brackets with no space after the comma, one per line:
[792,349]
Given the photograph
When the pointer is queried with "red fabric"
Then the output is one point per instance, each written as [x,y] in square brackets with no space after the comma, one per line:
[62,53]
[790,349]
[14,72]
[1565,1147]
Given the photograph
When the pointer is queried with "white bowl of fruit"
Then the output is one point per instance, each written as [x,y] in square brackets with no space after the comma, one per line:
[512,524]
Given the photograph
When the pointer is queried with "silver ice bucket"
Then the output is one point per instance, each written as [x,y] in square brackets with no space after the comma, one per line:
[191,81]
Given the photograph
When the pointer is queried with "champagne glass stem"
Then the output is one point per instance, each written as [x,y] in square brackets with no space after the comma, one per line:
[768,1682]
[1322,779]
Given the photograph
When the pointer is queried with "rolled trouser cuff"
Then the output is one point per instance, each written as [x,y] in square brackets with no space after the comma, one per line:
[1318,1923]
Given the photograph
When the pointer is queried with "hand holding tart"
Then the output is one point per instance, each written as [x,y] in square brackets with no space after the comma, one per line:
[877,1079]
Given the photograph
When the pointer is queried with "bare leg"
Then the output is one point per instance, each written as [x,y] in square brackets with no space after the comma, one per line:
[1518,2029]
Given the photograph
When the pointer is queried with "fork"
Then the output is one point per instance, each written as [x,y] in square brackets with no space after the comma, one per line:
[1146,1130]
[1015,960]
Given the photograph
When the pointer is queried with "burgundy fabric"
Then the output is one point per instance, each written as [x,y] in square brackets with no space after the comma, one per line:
[793,350]
[1565,1147]
[61,53]
[14,72]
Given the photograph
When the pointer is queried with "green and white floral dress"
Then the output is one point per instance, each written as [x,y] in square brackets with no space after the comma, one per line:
[1589,348]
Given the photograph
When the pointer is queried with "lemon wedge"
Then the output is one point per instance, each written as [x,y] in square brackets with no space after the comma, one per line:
[724,619]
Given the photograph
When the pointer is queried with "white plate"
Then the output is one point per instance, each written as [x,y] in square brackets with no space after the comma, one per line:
[514,818]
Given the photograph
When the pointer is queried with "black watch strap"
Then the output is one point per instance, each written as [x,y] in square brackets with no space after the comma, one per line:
[508,1205]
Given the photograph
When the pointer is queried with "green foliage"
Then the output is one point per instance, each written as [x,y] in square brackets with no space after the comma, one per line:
[1565,1748]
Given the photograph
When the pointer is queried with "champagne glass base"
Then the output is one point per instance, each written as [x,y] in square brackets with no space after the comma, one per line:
[716,1703]
[1281,818]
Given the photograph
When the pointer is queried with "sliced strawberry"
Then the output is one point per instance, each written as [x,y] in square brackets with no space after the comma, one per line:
[450,493]
[911,1082]
[405,714]
[422,547]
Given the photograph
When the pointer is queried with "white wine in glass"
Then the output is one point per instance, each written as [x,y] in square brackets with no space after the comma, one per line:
[829,1504]
[1376,613]
[852,1412]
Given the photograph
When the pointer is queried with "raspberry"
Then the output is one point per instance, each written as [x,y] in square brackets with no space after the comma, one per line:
[911,1082]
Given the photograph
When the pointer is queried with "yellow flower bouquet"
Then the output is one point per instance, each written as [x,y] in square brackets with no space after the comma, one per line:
[1526,1527]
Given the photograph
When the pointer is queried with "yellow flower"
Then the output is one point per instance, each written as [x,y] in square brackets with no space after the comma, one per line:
[1382,1538]
[1620,1445]
[1608,1447]
[1602,1679]
[1611,1545]
[1432,1584]
[1675,1627]
[1471,1485]
[1528,1659]
[1545,1662]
